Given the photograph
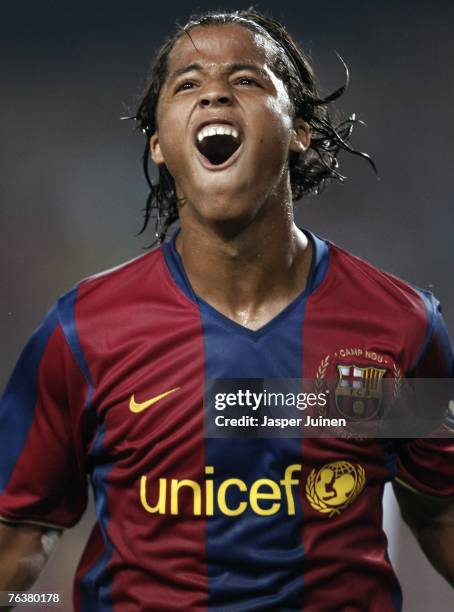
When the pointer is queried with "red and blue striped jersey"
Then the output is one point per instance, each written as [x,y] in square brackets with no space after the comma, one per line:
[110,388]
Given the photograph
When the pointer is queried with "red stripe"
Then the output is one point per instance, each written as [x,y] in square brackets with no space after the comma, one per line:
[356,312]
[158,559]
[52,446]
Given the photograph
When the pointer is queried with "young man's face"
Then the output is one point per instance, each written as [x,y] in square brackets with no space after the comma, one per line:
[225,124]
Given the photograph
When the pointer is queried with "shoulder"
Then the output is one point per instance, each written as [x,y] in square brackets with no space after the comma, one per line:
[113,300]
[387,308]
[126,276]
[110,290]
[378,290]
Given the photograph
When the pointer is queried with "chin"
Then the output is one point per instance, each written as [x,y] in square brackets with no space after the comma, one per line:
[225,206]
[227,221]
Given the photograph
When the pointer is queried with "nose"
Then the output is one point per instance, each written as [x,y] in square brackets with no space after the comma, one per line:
[215,95]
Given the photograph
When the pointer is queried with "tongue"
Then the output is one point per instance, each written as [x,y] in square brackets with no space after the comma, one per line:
[217,149]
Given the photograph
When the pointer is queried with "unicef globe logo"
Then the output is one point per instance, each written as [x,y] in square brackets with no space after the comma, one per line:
[334,486]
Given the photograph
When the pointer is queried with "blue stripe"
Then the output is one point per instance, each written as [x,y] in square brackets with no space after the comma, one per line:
[396,596]
[390,456]
[176,268]
[320,262]
[428,301]
[435,327]
[440,331]
[17,407]
[96,585]
[254,562]
[66,310]
[67,313]
[428,305]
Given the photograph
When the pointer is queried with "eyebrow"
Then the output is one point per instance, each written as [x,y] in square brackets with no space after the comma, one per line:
[230,69]
[180,71]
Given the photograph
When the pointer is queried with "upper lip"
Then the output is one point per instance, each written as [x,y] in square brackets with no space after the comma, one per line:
[216,120]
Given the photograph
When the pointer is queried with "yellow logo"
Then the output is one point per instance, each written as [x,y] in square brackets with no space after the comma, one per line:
[141,406]
[335,486]
[232,496]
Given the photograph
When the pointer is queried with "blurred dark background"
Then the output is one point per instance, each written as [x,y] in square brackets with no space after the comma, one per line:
[72,189]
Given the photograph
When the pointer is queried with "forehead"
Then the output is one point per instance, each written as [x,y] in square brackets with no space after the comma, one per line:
[221,44]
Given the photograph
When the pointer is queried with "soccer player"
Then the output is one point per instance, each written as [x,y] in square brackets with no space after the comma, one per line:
[111,386]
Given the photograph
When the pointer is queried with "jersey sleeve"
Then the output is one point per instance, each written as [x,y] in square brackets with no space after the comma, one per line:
[42,476]
[426,465]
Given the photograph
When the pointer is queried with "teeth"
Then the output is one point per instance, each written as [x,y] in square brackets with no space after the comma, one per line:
[214,130]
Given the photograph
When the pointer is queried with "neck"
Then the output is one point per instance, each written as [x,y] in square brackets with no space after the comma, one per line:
[250,274]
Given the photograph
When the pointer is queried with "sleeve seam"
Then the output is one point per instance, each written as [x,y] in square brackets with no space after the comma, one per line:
[421,493]
[19,521]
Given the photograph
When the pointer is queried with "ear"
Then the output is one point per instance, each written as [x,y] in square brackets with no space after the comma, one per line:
[155,150]
[301,136]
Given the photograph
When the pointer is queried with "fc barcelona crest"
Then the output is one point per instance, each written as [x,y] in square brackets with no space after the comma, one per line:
[359,391]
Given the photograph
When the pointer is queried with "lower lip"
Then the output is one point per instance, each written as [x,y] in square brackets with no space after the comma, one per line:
[217,168]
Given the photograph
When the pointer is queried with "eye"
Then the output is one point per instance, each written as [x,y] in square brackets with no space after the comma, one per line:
[185,85]
[248,81]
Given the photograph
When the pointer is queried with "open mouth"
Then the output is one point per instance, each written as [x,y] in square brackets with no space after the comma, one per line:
[218,142]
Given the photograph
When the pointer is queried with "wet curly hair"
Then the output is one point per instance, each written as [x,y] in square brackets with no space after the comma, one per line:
[309,172]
